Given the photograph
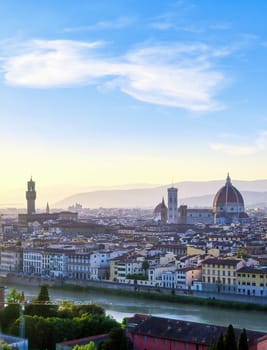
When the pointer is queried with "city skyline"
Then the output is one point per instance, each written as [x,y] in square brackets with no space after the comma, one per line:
[119,92]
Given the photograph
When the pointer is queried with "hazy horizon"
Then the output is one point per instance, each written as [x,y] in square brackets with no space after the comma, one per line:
[59,193]
[100,94]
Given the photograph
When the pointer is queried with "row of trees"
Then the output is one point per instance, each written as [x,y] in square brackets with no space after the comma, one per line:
[47,324]
[228,341]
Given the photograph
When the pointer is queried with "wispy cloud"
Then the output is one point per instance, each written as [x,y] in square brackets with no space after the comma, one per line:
[117,23]
[244,149]
[221,26]
[176,75]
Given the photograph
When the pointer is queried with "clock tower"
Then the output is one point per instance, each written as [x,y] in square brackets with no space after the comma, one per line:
[31,196]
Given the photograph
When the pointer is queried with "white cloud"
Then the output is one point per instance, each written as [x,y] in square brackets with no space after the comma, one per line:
[117,23]
[233,149]
[176,75]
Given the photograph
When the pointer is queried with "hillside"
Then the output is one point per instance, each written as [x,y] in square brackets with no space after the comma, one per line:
[194,194]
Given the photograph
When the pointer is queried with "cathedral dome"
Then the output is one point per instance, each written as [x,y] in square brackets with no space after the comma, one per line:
[228,200]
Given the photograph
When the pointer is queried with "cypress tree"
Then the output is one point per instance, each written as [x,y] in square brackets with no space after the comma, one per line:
[220,343]
[43,294]
[213,346]
[243,341]
[229,339]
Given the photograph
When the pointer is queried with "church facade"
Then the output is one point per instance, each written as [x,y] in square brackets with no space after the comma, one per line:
[228,208]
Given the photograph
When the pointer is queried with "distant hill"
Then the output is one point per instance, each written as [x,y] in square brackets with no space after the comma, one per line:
[251,199]
[194,194]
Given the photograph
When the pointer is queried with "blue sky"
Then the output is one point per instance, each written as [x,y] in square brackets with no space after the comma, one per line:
[103,93]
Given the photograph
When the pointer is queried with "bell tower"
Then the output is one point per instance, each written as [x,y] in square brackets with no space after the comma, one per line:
[172,206]
[31,196]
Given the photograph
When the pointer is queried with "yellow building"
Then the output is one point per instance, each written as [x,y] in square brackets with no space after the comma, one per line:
[252,281]
[219,274]
[190,250]
[113,269]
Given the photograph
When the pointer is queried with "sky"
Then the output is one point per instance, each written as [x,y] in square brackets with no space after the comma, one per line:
[114,92]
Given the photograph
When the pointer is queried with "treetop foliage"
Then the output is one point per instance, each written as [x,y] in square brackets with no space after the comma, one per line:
[46,324]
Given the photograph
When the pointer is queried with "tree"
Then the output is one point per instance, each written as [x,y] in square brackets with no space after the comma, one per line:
[243,341]
[220,343]
[90,346]
[213,346]
[117,340]
[145,266]
[40,307]
[12,311]
[44,333]
[5,346]
[70,310]
[229,339]
[14,296]
[43,295]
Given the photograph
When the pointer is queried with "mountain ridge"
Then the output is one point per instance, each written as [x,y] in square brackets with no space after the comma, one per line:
[192,193]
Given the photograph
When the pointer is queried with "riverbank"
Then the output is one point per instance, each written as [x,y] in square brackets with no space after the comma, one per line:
[218,300]
[171,298]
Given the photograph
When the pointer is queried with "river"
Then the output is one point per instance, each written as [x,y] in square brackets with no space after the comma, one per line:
[120,307]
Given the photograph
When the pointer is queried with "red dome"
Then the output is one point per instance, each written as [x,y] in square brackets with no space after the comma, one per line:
[228,195]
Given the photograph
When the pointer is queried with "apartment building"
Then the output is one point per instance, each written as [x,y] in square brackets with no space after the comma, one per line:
[219,274]
[252,281]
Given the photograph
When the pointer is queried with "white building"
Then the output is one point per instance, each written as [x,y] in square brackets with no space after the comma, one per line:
[33,261]
[79,266]
[181,278]
[45,262]
[99,265]
[11,259]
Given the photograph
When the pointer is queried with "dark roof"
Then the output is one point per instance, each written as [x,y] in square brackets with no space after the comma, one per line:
[190,332]
[254,270]
[221,261]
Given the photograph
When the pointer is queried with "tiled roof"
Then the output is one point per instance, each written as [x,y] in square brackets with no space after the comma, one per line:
[190,332]
[259,271]
[221,261]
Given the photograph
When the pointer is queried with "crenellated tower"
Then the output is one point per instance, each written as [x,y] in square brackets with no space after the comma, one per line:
[31,197]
